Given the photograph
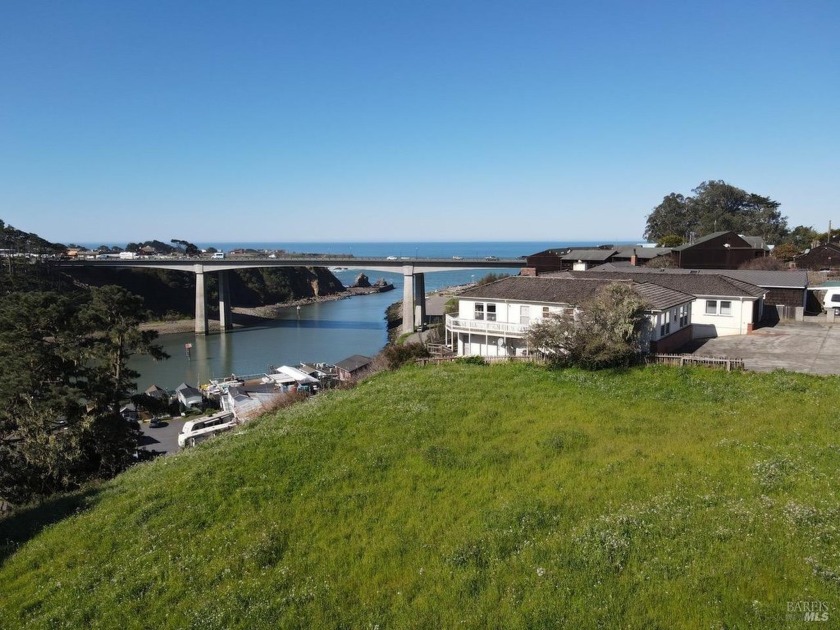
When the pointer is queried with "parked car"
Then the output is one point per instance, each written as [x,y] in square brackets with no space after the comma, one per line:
[491,258]
[391,258]
[832,300]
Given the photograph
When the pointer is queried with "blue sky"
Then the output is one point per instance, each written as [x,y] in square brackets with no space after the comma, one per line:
[408,120]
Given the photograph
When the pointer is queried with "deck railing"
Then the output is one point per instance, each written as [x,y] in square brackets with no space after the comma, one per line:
[483,326]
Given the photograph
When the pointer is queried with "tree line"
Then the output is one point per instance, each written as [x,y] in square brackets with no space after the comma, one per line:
[717,206]
[64,350]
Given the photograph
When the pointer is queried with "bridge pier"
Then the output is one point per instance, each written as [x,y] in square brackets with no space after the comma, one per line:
[419,299]
[202,326]
[414,299]
[225,316]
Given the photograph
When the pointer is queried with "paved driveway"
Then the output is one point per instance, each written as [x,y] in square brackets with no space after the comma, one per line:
[813,348]
[163,439]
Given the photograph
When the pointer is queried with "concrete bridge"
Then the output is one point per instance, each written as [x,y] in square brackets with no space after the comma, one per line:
[413,270]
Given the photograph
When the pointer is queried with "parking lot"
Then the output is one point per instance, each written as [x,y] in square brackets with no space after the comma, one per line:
[812,347]
[162,439]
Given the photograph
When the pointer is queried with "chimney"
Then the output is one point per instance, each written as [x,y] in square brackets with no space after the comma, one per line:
[633,258]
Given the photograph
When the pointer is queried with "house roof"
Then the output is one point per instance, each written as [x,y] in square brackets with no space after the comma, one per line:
[643,253]
[755,241]
[791,279]
[155,391]
[714,235]
[187,390]
[691,283]
[661,298]
[572,290]
[589,254]
[353,363]
[834,247]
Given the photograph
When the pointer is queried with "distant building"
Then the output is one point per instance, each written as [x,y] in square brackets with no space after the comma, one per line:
[353,367]
[189,396]
[820,258]
[719,250]
[583,258]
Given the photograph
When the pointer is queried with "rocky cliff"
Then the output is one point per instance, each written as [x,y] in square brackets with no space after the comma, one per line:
[173,292]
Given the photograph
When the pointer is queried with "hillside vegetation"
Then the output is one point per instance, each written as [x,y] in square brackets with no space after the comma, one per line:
[508,496]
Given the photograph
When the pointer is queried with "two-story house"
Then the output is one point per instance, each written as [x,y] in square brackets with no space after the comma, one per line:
[493,319]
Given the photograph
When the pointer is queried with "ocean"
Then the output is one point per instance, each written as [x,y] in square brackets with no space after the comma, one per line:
[422,249]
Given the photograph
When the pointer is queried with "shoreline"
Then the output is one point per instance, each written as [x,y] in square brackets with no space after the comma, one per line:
[245,316]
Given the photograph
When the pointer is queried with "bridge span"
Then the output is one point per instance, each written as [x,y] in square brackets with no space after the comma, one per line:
[413,270]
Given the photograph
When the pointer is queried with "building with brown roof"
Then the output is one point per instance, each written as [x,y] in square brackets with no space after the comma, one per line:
[820,258]
[493,319]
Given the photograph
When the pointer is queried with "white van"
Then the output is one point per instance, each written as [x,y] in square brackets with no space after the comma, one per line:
[832,300]
[218,255]
[196,431]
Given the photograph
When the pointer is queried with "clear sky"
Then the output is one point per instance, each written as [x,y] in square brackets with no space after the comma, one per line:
[408,119]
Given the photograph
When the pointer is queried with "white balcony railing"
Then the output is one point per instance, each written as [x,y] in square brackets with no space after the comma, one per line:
[484,327]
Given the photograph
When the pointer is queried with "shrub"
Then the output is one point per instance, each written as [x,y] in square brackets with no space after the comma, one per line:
[397,355]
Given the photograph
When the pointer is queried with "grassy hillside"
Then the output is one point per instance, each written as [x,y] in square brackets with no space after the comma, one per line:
[506,496]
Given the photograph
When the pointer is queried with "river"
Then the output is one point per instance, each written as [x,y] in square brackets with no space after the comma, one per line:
[323,332]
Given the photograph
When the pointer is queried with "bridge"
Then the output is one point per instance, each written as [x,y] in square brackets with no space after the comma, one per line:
[413,270]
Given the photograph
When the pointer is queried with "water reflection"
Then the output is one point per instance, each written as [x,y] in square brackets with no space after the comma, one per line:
[325,331]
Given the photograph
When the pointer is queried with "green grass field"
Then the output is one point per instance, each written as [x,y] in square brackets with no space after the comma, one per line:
[509,496]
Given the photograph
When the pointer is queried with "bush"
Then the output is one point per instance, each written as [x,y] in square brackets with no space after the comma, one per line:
[397,355]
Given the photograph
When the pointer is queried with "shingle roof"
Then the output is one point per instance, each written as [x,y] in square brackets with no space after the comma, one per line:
[562,289]
[792,279]
[643,253]
[589,254]
[351,364]
[659,297]
[696,284]
[709,237]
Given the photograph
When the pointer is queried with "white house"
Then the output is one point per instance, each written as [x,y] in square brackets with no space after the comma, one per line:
[247,403]
[493,319]
[189,396]
[723,305]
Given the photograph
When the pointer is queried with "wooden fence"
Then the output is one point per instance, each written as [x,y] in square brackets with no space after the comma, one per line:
[491,360]
[679,360]
[690,359]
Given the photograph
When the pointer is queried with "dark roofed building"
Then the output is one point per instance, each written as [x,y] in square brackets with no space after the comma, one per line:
[719,250]
[353,367]
[820,258]
[582,258]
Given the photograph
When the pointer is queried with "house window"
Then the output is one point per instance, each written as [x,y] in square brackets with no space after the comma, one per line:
[479,311]
[684,312]
[524,315]
[713,307]
[665,326]
[545,312]
[491,312]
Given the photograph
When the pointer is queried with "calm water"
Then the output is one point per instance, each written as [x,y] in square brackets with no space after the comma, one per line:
[329,331]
